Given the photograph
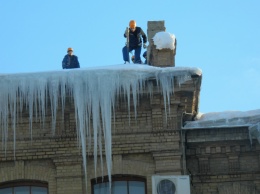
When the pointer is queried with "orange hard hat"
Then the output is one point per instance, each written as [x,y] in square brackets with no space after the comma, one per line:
[69,49]
[132,24]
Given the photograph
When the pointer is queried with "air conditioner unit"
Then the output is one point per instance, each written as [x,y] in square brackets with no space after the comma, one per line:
[171,184]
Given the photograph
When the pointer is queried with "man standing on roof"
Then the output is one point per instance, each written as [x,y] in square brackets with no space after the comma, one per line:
[70,61]
[134,42]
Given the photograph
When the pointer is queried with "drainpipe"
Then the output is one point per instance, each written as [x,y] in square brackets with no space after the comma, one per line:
[183,137]
[182,144]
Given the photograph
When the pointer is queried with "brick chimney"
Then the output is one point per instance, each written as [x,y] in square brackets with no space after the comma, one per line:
[156,57]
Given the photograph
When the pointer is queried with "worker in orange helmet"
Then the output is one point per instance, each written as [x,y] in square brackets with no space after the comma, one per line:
[70,61]
[134,35]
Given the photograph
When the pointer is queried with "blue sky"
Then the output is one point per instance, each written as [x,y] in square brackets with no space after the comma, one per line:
[219,37]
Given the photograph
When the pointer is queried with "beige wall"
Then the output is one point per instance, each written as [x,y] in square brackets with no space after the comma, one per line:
[218,160]
[146,146]
[223,161]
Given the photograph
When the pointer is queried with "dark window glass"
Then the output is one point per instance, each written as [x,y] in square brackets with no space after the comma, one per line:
[39,190]
[19,187]
[6,191]
[22,190]
[121,184]
[119,187]
[102,188]
[136,187]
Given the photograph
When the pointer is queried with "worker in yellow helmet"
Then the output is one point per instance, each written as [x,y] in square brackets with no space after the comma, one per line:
[135,38]
[70,61]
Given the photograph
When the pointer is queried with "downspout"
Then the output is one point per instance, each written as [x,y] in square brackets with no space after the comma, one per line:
[183,137]
[183,154]
[197,84]
[182,144]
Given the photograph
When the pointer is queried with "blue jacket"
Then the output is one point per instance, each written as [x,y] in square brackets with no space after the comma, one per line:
[70,62]
[135,37]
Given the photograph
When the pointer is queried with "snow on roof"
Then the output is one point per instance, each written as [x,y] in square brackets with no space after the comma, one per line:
[250,119]
[134,69]
[225,119]
[164,40]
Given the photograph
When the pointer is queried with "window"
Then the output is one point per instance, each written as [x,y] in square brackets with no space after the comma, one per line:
[121,184]
[24,187]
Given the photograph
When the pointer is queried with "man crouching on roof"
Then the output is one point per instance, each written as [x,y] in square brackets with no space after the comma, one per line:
[134,42]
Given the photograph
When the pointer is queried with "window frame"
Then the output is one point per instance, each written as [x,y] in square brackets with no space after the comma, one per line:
[119,177]
[24,183]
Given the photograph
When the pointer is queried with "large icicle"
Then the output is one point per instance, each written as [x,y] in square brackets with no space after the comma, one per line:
[93,90]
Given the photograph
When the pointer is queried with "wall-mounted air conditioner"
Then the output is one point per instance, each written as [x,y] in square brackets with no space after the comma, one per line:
[171,184]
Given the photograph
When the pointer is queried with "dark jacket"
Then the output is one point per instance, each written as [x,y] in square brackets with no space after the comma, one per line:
[70,62]
[135,37]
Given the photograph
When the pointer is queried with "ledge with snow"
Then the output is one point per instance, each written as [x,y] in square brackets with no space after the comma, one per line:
[227,119]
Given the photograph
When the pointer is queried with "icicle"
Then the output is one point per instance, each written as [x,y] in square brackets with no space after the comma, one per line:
[254,131]
[94,92]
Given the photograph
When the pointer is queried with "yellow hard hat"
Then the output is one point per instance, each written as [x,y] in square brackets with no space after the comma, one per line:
[70,49]
[132,24]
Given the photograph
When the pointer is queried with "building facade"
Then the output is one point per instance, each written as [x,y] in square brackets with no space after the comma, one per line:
[217,161]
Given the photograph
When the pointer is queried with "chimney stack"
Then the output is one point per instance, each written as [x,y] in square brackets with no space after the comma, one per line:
[156,57]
